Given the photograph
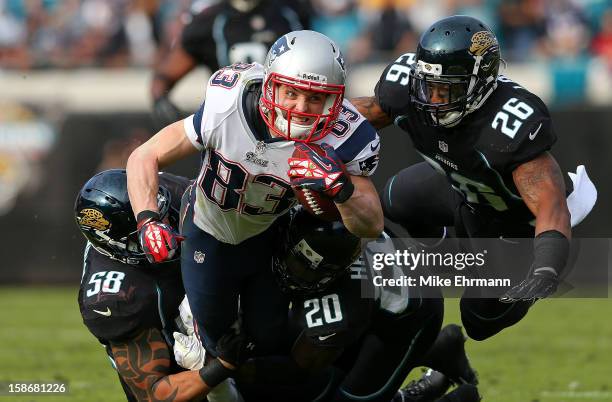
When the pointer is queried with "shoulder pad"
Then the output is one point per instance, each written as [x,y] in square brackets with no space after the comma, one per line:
[355,140]
[391,91]
[226,86]
[517,123]
[117,300]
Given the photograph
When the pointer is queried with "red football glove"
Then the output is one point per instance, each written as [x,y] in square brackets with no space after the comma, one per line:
[323,172]
[159,241]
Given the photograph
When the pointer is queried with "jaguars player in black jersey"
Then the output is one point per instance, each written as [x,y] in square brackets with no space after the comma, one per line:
[130,306]
[229,32]
[372,343]
[487,171]
[342,346]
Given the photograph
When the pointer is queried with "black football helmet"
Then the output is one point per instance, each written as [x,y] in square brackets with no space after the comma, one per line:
[313,253]
[456,68]
[104,215]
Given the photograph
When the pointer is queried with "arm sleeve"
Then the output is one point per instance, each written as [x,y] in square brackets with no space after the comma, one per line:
[360,152]
[194,128]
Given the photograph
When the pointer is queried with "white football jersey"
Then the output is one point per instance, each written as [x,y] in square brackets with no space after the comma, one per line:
[243,185]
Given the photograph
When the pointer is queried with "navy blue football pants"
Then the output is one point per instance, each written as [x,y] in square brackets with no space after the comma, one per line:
[216,275]
[422,201]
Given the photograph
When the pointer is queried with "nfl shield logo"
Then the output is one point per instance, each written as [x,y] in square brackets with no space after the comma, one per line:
[443,146]
[199,256]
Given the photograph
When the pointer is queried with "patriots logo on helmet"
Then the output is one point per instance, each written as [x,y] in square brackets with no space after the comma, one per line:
[278,48]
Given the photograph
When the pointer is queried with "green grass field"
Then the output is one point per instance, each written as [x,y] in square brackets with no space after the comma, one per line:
[560,352]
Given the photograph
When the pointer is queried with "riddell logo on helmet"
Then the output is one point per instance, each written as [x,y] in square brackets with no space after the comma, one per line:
[312,77]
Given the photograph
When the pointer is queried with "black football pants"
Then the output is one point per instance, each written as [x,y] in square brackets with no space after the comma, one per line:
[423,202]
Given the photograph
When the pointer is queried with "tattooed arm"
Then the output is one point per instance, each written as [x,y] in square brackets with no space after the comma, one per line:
[144,364]
[542,188]
[371,110]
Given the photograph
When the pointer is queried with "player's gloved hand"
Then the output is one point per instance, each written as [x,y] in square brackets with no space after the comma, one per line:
[325,174]
[159,241]
[165,112]
[550,251]
[188,351]
[234,347]
[540,283]
[187,321]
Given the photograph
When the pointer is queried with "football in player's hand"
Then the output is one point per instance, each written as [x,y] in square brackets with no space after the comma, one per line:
[315,202]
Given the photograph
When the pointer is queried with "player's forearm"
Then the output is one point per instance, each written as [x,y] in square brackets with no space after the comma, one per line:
[164,148]
[362,213]
[142,180]
[370,109]
[184,386]
[541,185]
[554,215]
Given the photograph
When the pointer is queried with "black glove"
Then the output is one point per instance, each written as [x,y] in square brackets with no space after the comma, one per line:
[165,112]
[540,283]
[551,250]
[234,347]
[321,173]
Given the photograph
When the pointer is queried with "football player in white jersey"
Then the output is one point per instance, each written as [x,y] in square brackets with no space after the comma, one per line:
[253,119]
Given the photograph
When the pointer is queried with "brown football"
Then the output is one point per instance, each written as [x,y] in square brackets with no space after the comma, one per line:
[314,202]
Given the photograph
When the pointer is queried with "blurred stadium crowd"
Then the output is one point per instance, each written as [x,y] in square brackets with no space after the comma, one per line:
[38,34]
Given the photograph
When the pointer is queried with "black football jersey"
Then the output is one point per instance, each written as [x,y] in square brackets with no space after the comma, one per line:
[336,317]
[341,314]
[220,35]
[118,300]
[479,154]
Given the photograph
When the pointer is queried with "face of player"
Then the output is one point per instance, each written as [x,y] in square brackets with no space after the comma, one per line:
[302,101]
[438,93]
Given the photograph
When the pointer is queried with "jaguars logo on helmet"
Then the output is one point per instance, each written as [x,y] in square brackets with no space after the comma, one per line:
[483,41]
[92,218]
